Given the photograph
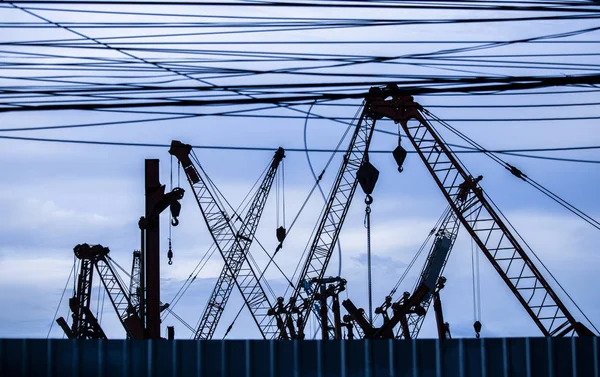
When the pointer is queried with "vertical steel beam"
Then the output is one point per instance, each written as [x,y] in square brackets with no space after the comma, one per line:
[152,251]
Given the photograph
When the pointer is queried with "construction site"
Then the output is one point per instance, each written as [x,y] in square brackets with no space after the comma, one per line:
[345,207]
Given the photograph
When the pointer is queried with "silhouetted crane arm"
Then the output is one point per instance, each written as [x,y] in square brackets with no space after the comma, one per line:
[332,218]
[229,244]
[235,255]
[481,220]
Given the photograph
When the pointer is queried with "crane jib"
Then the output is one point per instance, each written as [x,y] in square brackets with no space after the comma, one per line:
[481,220]
[233,247]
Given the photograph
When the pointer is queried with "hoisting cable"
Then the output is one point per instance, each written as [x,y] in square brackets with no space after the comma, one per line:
[368,201]
[102,309]
[170,250]
[75,260]
[112,262]
[252,261]
[283,190]
[271,260]
[277,200]
[99,297]
[519,174]
[180,319]
[476,288]
[60,301]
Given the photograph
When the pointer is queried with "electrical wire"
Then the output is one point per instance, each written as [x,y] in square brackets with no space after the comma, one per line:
[333,151]
[53,89]
[571,208]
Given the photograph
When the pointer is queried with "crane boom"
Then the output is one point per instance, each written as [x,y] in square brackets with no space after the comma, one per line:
[333,216]
[480,219]
[226,239]
[432,270]
[235,255]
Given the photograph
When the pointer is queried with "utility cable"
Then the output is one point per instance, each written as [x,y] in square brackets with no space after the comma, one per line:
[241,148]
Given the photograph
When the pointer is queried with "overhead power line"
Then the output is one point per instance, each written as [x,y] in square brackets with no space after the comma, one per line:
[471,85]
[468,150]
[569,7]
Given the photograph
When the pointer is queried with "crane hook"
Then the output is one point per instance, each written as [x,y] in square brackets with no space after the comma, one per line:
[170,253]
[477,326]
[174,221]
[369,200]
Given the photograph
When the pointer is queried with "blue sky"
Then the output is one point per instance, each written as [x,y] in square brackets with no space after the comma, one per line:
[56,195]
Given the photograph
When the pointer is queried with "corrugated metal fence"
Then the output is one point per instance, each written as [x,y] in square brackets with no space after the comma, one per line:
[522,357]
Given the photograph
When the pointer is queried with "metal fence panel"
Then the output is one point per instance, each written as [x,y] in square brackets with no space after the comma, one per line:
[506,357]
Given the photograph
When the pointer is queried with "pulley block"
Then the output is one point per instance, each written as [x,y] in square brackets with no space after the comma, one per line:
[399,155]
[175,211]
[281,233]
[367,176]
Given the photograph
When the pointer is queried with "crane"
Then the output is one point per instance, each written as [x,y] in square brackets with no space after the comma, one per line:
[474,211]
[85,325]
[236,252]
[97,256]
[232,246]
[330,223]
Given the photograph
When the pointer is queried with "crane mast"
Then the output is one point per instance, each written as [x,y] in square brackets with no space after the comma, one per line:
[226,239]
[480,219]
[332,218]
[134,283]
[85,325]
[235,255]
[114,287]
